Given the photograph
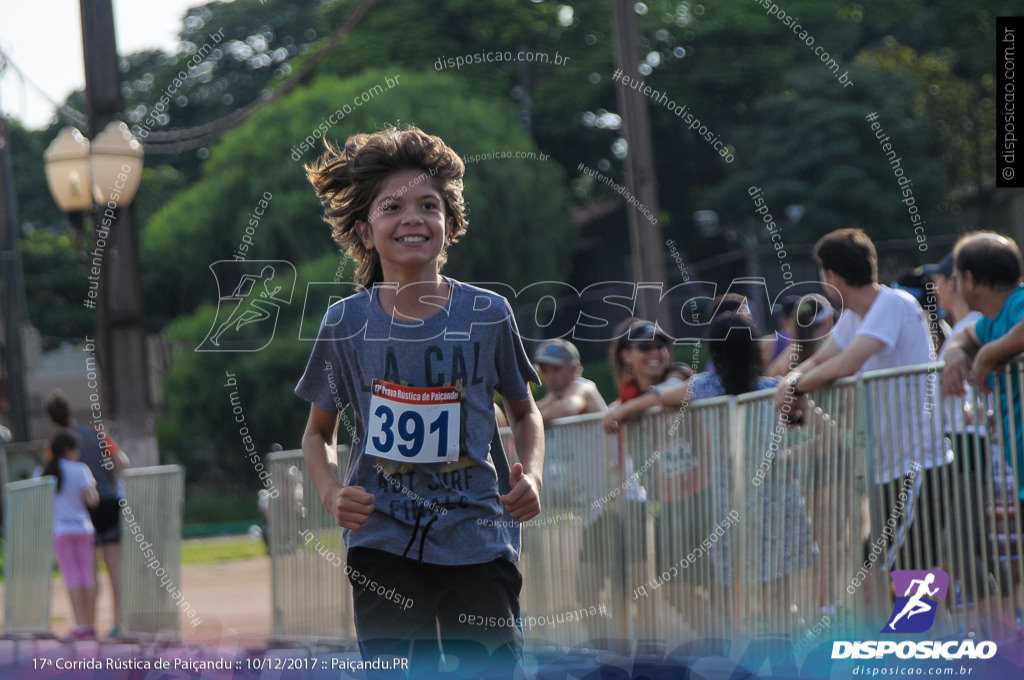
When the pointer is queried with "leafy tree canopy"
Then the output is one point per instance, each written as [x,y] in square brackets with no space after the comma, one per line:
[263,158]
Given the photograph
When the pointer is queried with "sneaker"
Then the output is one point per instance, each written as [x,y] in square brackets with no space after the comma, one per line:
[115,632]
[83,633]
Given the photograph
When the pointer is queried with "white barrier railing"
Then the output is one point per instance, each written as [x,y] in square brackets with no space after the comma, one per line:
[28,556]
[151,519]
[717,521]
[311,596]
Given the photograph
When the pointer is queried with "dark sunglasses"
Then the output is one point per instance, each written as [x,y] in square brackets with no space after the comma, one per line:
[648,345]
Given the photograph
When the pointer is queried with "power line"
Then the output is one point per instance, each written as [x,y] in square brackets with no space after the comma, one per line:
[177,141]
[68,113]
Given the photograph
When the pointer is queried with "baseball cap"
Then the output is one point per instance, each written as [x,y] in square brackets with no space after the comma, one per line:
[945,267]
[557,353]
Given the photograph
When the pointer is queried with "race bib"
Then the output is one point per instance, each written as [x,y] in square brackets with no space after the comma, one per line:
[414,424]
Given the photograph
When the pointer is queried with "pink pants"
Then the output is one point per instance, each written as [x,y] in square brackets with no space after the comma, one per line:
[75,555]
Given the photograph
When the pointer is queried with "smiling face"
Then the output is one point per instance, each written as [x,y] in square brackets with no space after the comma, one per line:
[646,360]
[407,226]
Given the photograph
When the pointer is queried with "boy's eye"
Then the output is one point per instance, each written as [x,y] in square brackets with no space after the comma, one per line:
[430,205]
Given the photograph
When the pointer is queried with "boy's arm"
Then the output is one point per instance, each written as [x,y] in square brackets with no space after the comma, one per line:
[826,365]
[523,501]
[350,505]
[843,364]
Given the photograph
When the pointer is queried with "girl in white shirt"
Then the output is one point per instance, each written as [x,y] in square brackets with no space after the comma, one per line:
[72,529]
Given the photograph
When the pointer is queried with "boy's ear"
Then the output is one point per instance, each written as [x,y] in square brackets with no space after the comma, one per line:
[365,235]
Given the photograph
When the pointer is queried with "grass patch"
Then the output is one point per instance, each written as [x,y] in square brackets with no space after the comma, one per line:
[221,549]
[209,505]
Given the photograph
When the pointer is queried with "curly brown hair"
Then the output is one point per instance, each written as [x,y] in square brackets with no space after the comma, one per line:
[347,180]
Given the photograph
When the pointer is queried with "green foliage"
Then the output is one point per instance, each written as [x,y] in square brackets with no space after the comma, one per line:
[199,429]
[56,284]
[812,145]
[229,548]
[36,208]
[208,503]
[240,48]
[256,159]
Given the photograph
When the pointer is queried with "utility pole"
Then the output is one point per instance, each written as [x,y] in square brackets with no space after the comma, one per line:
[13,309]
[646,239]
[121,335]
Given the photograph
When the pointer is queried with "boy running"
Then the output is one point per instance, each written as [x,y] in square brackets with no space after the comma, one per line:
[419,357]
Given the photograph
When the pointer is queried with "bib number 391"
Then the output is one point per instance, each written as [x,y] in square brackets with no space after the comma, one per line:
[414,424]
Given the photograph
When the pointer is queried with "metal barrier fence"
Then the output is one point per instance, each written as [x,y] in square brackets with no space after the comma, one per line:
[717,520]
[941,496]
[573,593]
[28,556]
[312,600]
[151,519]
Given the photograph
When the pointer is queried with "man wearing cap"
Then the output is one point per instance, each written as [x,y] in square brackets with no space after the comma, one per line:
[950,300]
[569,394]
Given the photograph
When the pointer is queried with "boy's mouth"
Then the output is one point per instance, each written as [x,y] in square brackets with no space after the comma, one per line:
[412,239]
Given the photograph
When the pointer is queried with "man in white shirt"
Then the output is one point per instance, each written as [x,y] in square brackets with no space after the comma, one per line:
[879,328]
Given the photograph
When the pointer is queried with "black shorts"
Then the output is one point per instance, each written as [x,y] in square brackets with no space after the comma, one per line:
[106,519]
[400,603]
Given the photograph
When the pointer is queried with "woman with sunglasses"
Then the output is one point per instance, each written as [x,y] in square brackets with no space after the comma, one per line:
[644,373]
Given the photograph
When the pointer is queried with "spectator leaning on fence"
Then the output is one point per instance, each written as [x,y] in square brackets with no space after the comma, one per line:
[788,545]
[641,363]
[569,393]
[988,274]
[879,328]
[958,312]
[419,357]
[969,442]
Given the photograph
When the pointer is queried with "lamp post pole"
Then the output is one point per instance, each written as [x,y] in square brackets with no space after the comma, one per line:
[121,336]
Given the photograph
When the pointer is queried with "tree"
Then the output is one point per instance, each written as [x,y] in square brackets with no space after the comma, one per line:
[814,145]
[199,428]
[208,221]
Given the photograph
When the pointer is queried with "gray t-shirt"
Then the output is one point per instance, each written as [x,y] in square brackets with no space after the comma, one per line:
[438,513]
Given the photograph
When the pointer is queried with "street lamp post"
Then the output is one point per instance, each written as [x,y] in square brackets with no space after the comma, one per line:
[102,177]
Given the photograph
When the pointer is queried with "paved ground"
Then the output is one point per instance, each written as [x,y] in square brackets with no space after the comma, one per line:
[231,598]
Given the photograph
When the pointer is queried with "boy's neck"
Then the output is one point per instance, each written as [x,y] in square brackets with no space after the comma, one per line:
[414,299]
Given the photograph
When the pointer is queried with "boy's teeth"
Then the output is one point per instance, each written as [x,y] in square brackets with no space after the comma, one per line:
[412,239]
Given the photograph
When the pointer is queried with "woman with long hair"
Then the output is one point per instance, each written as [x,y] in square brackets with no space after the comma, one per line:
[73,531]
[787,545]
[644,373]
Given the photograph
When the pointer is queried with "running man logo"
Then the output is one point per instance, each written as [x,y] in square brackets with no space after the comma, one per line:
[914,611]
[249,298]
